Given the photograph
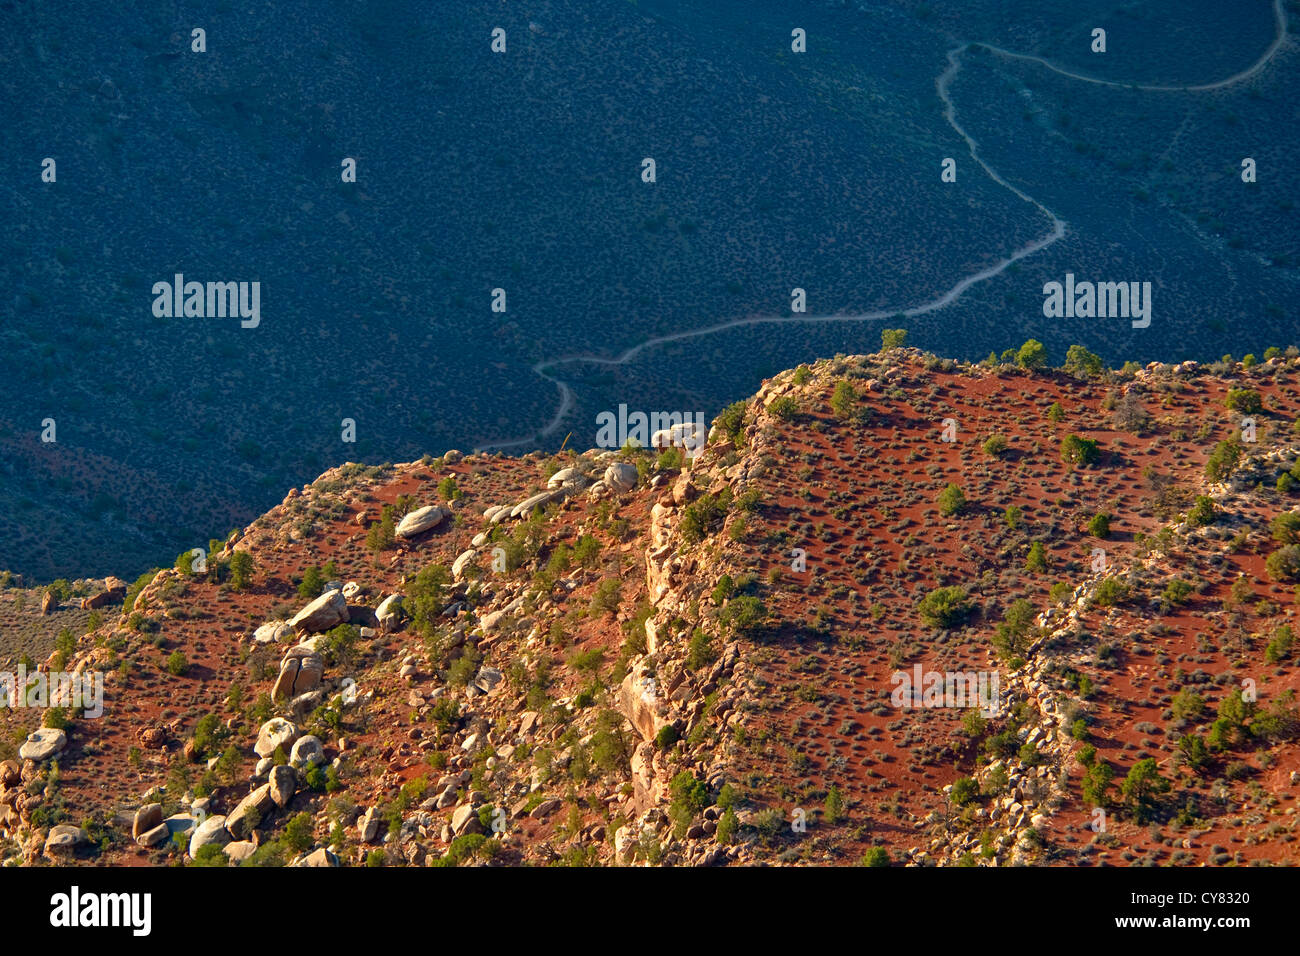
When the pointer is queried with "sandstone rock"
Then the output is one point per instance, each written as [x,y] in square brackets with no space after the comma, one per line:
[319,857]
[250,812]
[464,819]
[487,680]
[539,500]
[114,591]
[368,825]
[272,632]
[327,611]
[159,834]
[545,809]
[421,520]
[276,732]
[64,839]
[620,477]
[307,752]
[683,490]
[301,672]
[48,603]
[283,784]
[42,744]
[147,818]
[211,830]
[571,479]
[239,851]
[462,561]
[389,612]
[640,704]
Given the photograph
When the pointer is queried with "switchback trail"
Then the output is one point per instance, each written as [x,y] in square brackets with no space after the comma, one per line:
[942,84]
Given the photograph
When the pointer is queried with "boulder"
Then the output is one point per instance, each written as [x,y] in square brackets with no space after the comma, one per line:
[539,500]
[114,591]
[43,744]
[307,752]
[179,823]
[569,478]
[458,566]
[545,809]
[421,520]
[159,834]
[48,603]
[272,632]
[239,851]
[300,673]
[284,784]
[620,477]
[487,680]
[327,611]
[464,819]
[211,830]
[389,612]
[64,839]
[276,732]
[319,857]
[368,825]
[249,812]
[147,818]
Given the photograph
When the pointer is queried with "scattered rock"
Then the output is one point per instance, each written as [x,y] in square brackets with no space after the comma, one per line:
[284,784]
[327,611]
[147,818]
[42,744]
[64,839]
[276,732]
[211,830]
[421,520]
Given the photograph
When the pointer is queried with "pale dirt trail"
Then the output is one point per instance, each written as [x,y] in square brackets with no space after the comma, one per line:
[942,83]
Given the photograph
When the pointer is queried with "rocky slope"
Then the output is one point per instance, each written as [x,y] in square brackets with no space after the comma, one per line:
[639,657]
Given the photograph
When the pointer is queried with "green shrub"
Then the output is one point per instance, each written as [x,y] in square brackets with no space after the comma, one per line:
[944,607]
[951,501]
[892,339]
[1202,512]
[844,400]
[1036,561]
[1110,591]
[964,790]
[1079,451]
[1245,400]
[241,570]
[785,408]
[1223,459]
[995,445]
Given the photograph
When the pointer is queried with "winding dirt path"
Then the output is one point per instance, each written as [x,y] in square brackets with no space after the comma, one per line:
[942,84]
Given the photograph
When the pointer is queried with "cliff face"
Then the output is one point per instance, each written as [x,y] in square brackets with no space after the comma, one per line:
[622,657]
